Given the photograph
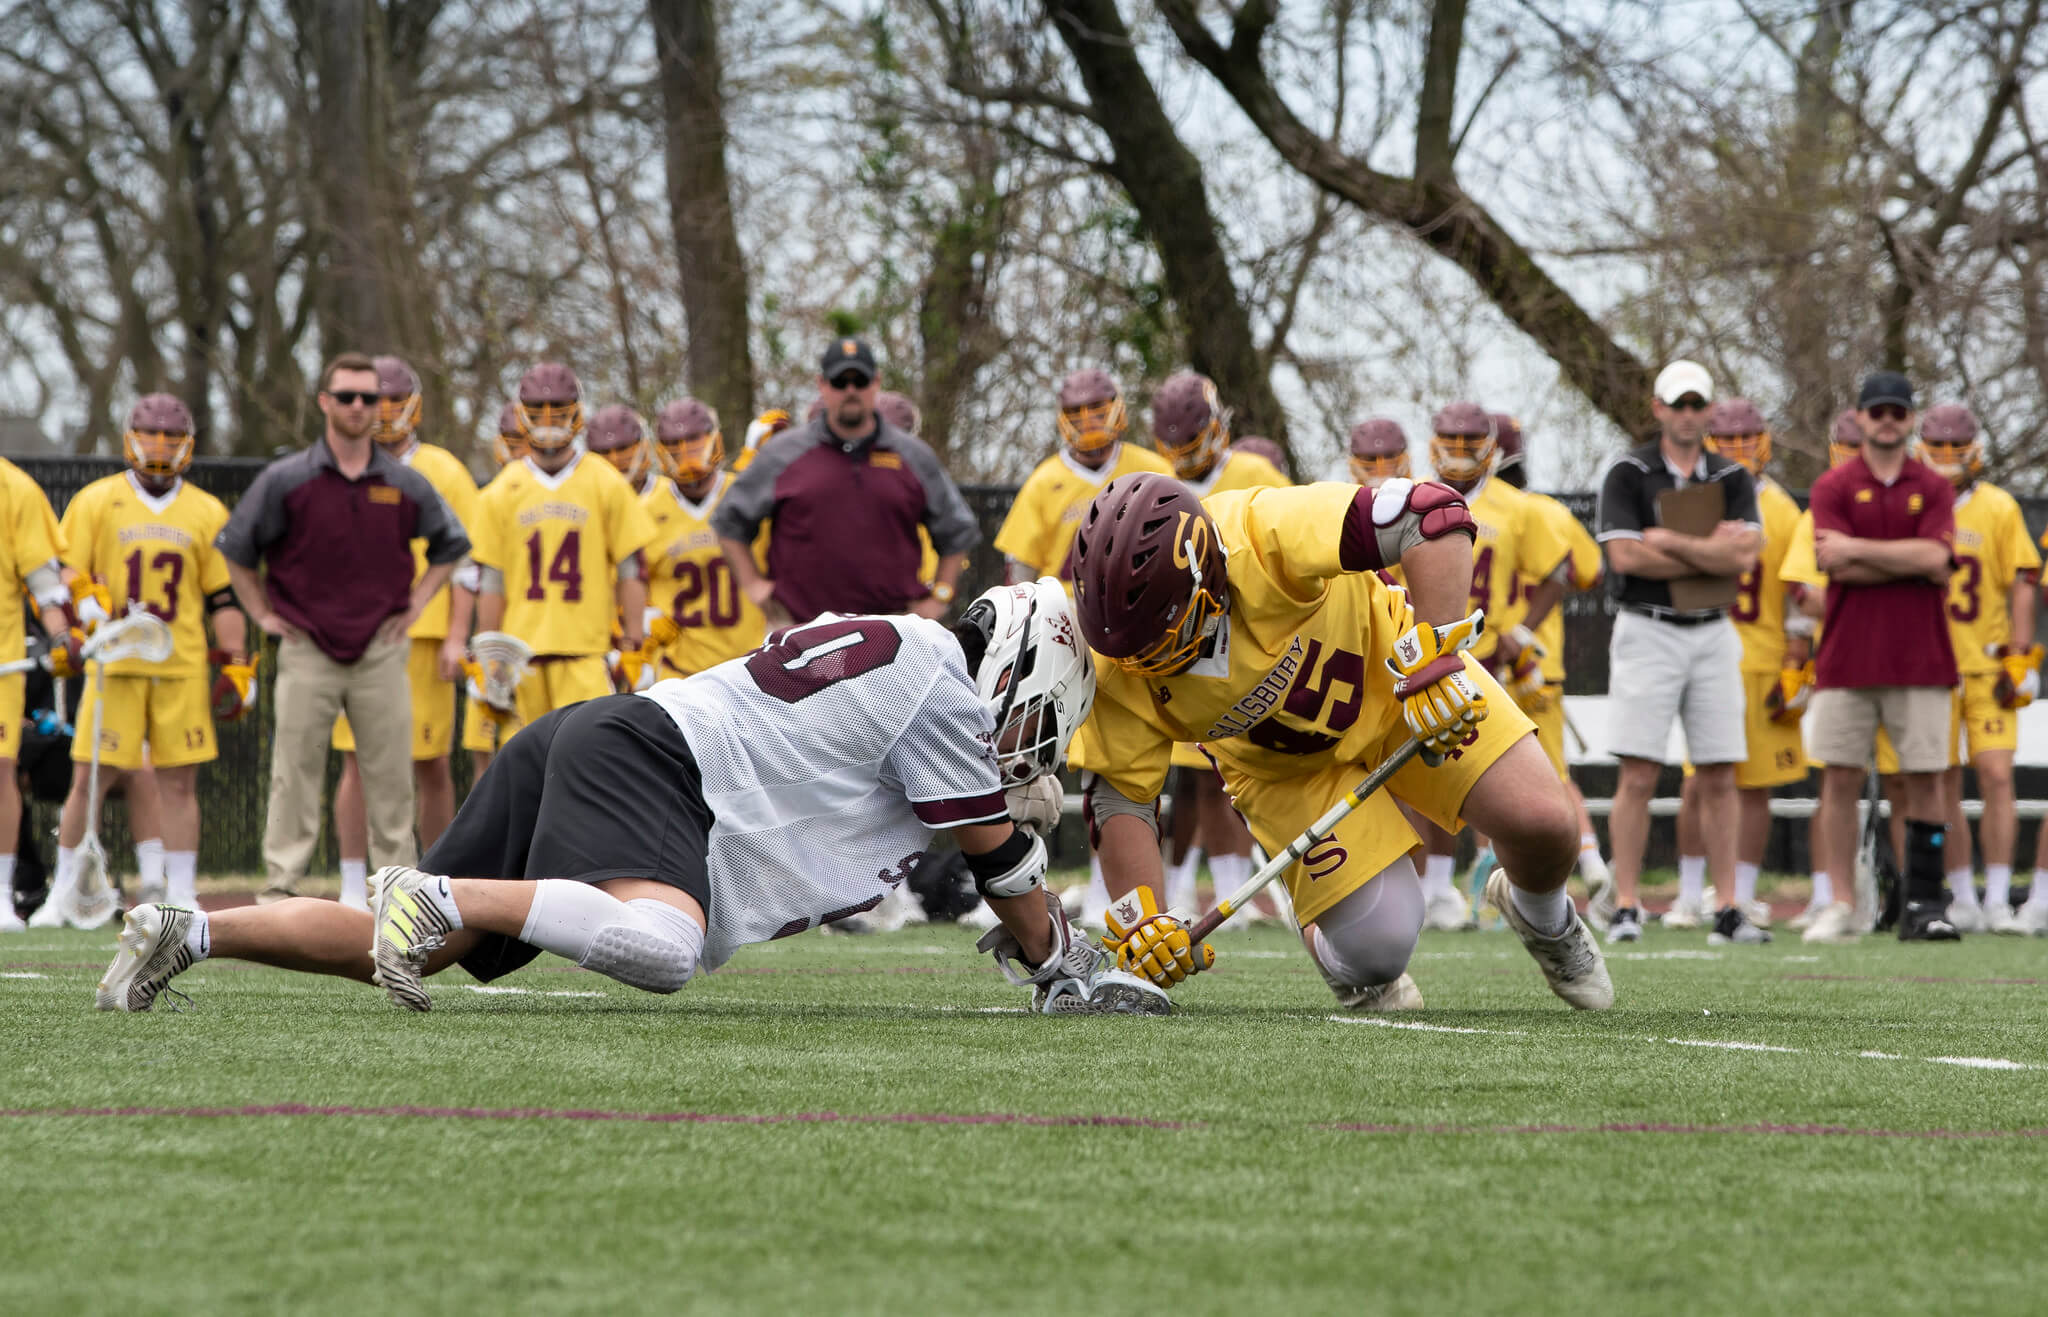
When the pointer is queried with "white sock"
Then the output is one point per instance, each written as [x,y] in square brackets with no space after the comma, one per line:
[1180,881]
[1823,891]
[1230,872]
[149,865]
[7,884]
[66,875]
[1745,882]
[199,938]
[439,892]
[181,876]
[1098,893]
[1692,877]
[1550,912]
[2037,892]
[1592,867]
[1437,873]
[1998,885]
[355,881]
[1962,886]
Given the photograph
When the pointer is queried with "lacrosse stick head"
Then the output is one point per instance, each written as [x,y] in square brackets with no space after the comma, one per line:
[503,658]
[137,634]
[93,901]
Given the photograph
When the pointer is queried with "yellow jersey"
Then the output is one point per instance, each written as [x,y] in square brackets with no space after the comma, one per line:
[158,550]
[1759,610]
[1992,549]
[29,538]
[1516,544]
[451,480]
[1236,470]
[1039,529]
[1296,680]
[558,540]
[1585,565]
[689,579]
[1800,566]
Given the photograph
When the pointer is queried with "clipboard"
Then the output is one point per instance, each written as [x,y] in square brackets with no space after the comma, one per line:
[1696,510]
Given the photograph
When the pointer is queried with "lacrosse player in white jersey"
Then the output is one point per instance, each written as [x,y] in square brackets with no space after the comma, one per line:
[650,836]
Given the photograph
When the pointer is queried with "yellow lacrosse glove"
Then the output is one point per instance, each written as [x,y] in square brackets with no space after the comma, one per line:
[1439,699]
[90,603]
[1787,701]
[474,671]
[2019,677]
[1151,944]
[661,632]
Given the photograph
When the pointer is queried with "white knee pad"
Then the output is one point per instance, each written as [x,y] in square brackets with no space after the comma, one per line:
[1368,937]
[643,943]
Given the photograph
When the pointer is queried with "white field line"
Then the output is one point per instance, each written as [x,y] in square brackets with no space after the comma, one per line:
[1719,1044]
[22,974]
[1381,1022]
[491,990]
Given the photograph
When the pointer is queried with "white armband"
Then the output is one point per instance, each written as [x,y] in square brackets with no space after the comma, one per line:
[489,580]
[46,585]
[467,576]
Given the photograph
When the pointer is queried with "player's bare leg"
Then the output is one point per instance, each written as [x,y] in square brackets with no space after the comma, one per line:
[1963,909]
[352,835]
[1520,804]
[177,792]
[1628,833]
[10,829]
[434,789]
[1690,910]
[1717,817]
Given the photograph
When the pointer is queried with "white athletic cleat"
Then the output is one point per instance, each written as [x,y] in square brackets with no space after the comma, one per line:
[1570,961]
[1600,903]
[1685,913]
[2000,919]
[1626,926]
[50,914]
[1400,995]
[1966,916]
[11,922]
[2033,918]
[1115,992]
[1757,912]
[1447,911]
[408,929]
[152,950]
[1802,921]
[1835,925]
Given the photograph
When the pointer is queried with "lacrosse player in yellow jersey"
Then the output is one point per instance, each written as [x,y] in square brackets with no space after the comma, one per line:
[483,729]
[1766,619]
[1191,429]
[1255,624]
[431,673]
[558,543]
[688,578]
[1582,571]
[1991,625]
[150,536]
[1514,543]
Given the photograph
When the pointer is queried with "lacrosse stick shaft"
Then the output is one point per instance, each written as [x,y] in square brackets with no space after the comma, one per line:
[22,665]
[1571,726]
[1279,864]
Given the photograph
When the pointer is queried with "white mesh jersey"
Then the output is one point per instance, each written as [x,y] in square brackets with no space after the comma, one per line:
[828,757]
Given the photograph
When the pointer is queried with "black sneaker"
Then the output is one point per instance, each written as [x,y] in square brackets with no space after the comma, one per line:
[1731,927]
[1927,921]
[1627,926]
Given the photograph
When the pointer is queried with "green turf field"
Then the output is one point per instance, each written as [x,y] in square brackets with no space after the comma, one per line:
[865,1125]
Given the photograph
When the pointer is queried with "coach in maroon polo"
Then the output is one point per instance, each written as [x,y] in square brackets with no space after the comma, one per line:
[844,495]
[334,527]
[1884,527]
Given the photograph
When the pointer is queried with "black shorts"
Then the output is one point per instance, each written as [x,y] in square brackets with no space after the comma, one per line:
[599,790]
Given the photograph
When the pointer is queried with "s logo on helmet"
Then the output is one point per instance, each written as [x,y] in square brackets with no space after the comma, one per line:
[1189,542]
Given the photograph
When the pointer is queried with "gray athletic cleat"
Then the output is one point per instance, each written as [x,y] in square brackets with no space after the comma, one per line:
[1570,961]
[152,950]
[1400,995]
[1114,992]
[409,928]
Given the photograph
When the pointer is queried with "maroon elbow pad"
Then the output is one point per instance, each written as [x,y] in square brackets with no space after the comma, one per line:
[1438,511]
[1443,511]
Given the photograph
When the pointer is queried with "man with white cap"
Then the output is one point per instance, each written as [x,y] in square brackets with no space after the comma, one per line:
[1666,662]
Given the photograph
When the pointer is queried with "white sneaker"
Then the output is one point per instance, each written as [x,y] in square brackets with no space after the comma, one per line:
[1685,913]
[1757,912]
[152,950]
[1570,961]
[1626,926]
[1400,995]
[1802,921]
[1836,924]
[9,921]
[2000,919]
[1447,911]
[50,914]
[2033,918]
[1966,916]
[898,908]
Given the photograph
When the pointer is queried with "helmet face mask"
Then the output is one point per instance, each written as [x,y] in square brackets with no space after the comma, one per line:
[1378,452]
[1093,427]
[551,417]
[688,442]
[1845,439]
[157,442]
[617,434]
[1462,447]
[1035,676]
[1190,425]
[1951,444]
[1372,472]
[1750,450]
[398,403]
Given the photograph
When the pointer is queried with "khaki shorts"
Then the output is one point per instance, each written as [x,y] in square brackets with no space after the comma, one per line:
[1843,722]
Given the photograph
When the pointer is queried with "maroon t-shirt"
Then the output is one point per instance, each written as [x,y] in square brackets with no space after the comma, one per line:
[1894,634]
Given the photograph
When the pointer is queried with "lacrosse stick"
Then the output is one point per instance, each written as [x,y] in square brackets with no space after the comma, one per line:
[137,635]
[1310,835]
[498,664]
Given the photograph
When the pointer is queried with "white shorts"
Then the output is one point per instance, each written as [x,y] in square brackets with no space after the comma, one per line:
[1658,671]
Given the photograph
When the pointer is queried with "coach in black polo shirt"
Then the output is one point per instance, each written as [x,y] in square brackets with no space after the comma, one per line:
[1664,663]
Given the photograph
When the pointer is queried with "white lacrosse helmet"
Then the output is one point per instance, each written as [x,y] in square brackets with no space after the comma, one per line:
[1036,676]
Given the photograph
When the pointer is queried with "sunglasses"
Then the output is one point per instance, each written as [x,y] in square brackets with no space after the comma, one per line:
[849,381]
[1691,402]
[351,398]
[1888,411]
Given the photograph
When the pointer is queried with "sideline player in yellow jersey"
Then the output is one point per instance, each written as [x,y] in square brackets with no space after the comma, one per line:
[483,729]
[1039,528]
[1991,626]
[759,431]
[1255,624]
[1191,429]
[1765,618]
[1515,542]
[688,578]
[149,534]
[1582,571]
[428,669]
[558,544]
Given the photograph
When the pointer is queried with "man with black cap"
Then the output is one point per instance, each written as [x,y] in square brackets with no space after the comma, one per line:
[1884,532]
[844,495]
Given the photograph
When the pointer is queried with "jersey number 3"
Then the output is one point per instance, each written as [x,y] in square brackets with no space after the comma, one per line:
[805,660]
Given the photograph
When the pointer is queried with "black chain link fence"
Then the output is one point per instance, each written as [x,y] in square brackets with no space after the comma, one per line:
[233,790]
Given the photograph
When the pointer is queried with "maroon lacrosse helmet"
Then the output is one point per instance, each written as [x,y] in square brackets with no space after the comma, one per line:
[1260,446]
[1949,443]
[509,443]
[550,407]
[1092,416]
[1190,424]
[1737,430]
[1379,451]
[1148,574]
[618,435]
[158,440]
[398,402]
[1507,439]
[1845,437]
[899,411]
[688,441]
[1463,443]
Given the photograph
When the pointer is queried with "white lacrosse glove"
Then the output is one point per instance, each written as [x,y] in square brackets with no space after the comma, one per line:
[1036,805]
